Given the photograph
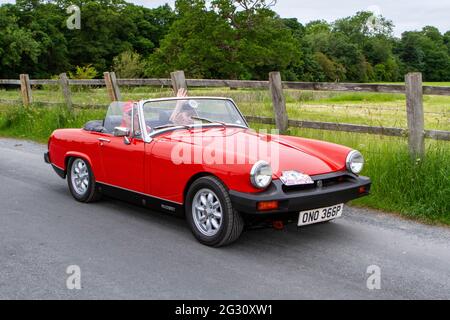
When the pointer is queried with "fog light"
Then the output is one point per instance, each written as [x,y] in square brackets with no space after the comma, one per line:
[267,205]
[362,189]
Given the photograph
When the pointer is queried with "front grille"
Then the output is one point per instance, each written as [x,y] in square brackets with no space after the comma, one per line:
[325,180]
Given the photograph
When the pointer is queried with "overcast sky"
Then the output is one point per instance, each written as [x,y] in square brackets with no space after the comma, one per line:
[406,14]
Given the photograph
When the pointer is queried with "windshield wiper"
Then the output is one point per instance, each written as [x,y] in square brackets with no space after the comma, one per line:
[171,126]
[208,120]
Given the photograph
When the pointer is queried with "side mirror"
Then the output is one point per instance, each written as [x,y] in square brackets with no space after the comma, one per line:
[121,132]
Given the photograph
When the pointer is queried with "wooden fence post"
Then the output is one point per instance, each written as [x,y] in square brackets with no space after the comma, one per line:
[115,86]
[112,87]
[279,102]
[65,88]
[415,117]
[25,89]
[178,81]
[109,87]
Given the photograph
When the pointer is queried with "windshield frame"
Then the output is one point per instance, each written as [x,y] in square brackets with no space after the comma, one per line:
[149,136]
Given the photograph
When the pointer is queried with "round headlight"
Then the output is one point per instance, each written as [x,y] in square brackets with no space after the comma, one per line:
[355,162]
[261,175]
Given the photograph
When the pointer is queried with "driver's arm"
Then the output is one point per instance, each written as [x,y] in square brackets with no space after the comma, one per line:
[180,94]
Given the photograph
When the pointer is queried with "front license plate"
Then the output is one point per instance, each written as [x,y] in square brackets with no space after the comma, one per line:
[320,215]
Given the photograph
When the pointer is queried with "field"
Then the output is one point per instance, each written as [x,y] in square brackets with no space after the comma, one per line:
[416,189]
[376,109]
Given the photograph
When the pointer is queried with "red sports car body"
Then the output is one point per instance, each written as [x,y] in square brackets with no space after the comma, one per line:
[214,170]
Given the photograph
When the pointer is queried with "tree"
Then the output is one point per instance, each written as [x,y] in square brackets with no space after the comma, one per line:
[221,41]
[110,27]
[44,21]
[17,45]
[332,70]
[447,40]
[198,42]
[425,51]
[38,42]
[235,39]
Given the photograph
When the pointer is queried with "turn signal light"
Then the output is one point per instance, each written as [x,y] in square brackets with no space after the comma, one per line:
[267,205]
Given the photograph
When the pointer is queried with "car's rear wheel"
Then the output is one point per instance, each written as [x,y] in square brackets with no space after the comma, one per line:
[81,181]
[210,214]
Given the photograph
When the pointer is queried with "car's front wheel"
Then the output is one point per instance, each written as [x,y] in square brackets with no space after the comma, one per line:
[210,214]
[81,181]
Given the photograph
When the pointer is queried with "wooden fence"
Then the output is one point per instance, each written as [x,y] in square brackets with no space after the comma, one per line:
[413,89]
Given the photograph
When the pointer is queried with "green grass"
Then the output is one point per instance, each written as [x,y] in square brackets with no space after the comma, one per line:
[419,190]
[435,84]
[375,109]
[37,122]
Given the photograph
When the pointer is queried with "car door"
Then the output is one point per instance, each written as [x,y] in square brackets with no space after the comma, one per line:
[123,157]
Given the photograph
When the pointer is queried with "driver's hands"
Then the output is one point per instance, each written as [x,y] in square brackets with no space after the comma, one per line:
[182,92]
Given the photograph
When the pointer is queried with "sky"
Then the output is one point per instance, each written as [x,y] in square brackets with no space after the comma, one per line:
[407,15]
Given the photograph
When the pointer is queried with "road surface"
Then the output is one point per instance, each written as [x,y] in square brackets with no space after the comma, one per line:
[125,252]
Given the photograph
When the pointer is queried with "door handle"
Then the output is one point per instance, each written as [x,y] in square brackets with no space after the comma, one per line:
[104,140]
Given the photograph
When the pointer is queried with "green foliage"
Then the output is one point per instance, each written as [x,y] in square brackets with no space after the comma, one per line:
[34,38]
[38,122]
[332,70]
[17,44]
[86,72]
[221,42]
[128,65]
[234,39]
[426,51]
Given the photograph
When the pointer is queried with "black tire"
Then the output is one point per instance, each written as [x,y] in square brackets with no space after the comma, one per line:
[92,193]
[231,225]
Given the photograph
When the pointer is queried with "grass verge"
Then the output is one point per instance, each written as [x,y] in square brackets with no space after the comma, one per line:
[37,122]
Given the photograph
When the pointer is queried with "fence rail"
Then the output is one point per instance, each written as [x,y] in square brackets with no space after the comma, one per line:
[346,127]
[413,89]
[246,84]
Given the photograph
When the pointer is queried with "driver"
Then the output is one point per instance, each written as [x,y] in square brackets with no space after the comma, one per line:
[127,112]
[183,113]
[126,115]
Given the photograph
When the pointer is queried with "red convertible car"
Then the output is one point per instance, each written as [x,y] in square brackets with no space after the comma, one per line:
[197,157]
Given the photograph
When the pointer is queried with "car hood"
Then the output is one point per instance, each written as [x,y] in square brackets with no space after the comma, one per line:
[282,152]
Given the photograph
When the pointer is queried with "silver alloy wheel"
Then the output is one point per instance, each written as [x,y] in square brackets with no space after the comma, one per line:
[80,177]
[207,212]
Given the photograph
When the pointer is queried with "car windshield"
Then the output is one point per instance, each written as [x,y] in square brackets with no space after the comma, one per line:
[120,114]
[189,111]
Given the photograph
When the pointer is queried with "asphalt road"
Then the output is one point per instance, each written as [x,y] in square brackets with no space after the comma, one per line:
[126,252]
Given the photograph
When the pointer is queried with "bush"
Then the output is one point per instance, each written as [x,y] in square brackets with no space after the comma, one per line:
[128,65]
[86,72]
